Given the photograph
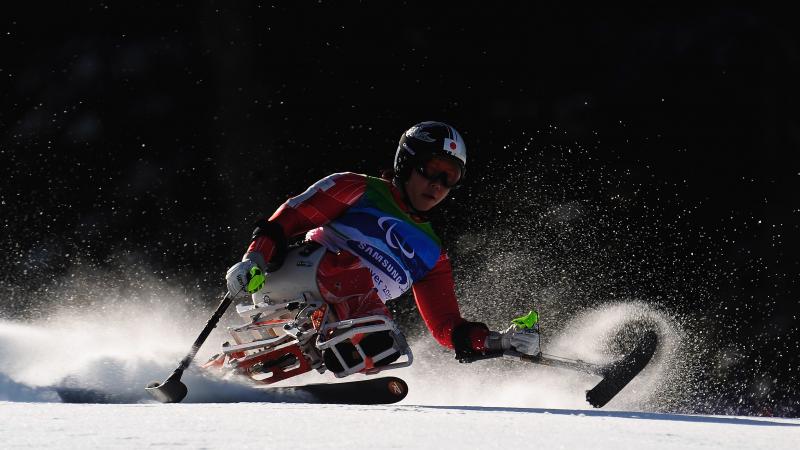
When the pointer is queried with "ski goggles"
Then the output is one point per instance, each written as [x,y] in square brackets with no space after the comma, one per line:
[446,172]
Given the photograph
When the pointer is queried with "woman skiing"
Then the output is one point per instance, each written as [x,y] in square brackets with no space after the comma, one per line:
[378,244]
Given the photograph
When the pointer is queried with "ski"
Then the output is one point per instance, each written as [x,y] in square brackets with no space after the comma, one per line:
[373,391]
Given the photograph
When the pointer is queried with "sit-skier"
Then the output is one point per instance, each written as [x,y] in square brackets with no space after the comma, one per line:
[379,244]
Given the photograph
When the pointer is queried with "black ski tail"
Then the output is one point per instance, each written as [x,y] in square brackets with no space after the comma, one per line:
[617,375]
[371,391]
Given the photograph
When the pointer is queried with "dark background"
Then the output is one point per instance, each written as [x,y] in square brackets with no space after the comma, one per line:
[644,153]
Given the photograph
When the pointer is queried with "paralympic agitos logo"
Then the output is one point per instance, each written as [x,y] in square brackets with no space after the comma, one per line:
[391,238]
[386,262]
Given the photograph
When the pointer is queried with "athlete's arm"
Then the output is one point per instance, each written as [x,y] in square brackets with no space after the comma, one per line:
[324,201]
[437,304]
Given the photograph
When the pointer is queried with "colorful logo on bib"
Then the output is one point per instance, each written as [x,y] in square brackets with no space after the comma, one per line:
[380,260]
[391,237]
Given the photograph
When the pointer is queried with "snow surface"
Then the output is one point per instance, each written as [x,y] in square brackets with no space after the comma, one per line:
[261,425]
[121,347]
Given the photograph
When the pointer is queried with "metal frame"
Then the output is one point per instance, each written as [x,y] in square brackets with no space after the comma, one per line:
[275,331]
[366,365]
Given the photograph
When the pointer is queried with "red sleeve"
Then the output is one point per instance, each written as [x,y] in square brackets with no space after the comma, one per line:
[324,201]
[436,300]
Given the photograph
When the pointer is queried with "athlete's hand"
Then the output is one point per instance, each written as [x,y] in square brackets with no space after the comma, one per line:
[522,340]
[244,278]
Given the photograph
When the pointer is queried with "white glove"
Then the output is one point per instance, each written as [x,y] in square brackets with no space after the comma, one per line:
[241,274]
[522,340]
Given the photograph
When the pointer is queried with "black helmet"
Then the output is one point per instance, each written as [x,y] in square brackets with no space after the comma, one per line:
[424,141]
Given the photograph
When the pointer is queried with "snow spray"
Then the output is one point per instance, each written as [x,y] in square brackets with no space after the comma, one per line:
[111,346]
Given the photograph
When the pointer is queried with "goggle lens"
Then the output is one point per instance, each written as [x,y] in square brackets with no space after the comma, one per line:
[446,172]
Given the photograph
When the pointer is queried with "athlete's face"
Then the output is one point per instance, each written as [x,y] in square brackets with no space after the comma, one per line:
[424,194]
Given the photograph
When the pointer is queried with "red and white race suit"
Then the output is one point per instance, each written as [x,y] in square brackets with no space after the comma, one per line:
[346,281]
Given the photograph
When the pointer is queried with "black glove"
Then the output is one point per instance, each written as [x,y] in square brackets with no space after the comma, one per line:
[461,341]
[273,231]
